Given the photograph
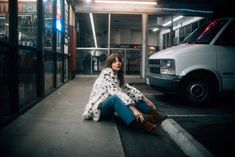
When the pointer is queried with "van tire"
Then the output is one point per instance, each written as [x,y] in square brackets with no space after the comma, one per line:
[197,91]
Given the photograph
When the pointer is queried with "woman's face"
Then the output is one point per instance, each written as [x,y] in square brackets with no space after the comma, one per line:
[116,65]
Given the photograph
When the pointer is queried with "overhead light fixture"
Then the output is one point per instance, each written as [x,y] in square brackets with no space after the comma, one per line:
[125,2]
[93,29]
[29,0]
[175,19]
[155,29]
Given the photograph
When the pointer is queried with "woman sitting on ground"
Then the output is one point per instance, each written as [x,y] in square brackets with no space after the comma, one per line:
[111,93]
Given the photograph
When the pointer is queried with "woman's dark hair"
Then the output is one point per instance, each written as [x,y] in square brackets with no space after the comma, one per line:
[108,63]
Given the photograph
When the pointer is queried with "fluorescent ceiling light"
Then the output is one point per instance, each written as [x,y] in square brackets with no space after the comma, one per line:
[27,0]
[93,29]
[125,2]
[175,19]
[167,23]
[155,29]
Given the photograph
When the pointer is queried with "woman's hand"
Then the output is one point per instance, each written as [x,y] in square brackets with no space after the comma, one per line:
[139,116]
[150,103]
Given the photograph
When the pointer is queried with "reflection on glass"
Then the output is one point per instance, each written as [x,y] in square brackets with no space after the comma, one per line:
[58,26]
[49,71]
[84,62]
[125,31]
[4,20]
[27,76]
[85,36]
[90,62]
[133,62]
[27,19]
[98,58]
[66,70]
[153,34]
[4,79]
[125,35]
[58,16]
[59,70]
[48,18]
[58,41]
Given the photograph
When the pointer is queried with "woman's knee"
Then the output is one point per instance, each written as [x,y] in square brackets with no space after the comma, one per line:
[115,98]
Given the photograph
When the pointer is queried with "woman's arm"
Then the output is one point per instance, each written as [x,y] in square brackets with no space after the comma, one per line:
[149,102]
[134,93]
[139,116]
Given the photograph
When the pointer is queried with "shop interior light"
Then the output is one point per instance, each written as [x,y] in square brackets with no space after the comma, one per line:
[126,2]
[155,29]
[27,0]
[175,19]
[93,29]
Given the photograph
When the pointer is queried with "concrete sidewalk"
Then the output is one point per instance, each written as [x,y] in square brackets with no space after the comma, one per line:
[54,127]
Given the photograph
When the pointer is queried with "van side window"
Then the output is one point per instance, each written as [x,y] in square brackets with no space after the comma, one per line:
[228,36]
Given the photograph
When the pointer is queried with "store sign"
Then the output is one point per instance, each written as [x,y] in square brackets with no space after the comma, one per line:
[58,15]
[66,21]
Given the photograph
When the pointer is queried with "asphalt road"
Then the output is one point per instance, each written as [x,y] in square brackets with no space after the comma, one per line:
[213,125]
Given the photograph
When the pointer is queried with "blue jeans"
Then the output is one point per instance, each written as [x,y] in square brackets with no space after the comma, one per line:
[114,104]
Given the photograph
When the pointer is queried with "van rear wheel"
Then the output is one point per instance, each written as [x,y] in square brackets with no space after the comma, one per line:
[197,91]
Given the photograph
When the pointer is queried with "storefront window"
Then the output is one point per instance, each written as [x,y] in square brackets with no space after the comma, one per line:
[86,37]
[59,69]
[66,70]
[48,23]
[4,20]
[27,75]
[125,38]
[49,69]
[27,22]
[4,80]
[126,34]
[125,31]
[133,59]
[90,62]
[58,41]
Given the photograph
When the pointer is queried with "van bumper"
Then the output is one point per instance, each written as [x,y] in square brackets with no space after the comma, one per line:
[163,83]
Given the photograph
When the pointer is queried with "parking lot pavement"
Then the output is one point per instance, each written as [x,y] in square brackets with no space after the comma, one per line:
[213,126]
[215,133]
[137,143]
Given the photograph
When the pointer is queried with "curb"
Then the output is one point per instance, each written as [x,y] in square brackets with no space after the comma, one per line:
[184,140]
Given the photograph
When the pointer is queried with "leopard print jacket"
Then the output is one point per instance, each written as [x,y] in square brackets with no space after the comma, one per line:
[107,84]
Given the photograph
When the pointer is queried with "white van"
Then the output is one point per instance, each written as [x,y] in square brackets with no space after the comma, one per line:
[199,68]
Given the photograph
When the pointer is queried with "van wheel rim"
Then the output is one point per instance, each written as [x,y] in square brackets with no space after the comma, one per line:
[198,91]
